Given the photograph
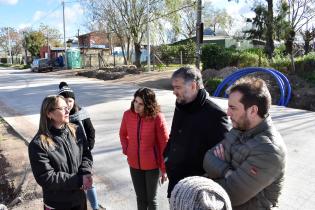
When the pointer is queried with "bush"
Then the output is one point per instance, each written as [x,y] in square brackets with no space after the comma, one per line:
[280,51]
[282,64]
[253,57]
[212,84]
[3,60]
[305,63]
[170,54]
[248,59]
[309,62]
[217,57]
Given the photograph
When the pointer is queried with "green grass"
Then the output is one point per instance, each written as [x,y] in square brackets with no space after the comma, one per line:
[16,66]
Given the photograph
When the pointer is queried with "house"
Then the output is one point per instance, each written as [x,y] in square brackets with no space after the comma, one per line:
[51,52]
[95,39]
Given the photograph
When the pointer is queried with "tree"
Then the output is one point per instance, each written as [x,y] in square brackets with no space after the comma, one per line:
[15,45]
[52,35]
[217,18]
[259,23]
[34,40]
[269,35]
[129,20]
[280,22]
[308,35]
[300,13]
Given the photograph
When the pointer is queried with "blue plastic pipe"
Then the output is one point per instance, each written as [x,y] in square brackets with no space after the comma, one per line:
[281,79]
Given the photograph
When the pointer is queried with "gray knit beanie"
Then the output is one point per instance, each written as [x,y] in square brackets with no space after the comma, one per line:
[199,193]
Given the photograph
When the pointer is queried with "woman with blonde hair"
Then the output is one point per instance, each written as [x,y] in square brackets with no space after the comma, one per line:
[143,136]
[60,159]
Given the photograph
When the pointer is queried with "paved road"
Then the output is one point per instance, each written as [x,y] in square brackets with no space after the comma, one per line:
[21,93]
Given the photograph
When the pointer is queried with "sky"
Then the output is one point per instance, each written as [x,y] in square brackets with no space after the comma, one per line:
[30,13]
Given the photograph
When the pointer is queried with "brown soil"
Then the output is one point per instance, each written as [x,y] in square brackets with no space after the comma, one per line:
[17,182]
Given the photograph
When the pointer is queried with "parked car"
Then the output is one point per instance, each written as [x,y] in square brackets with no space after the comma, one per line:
[41,64]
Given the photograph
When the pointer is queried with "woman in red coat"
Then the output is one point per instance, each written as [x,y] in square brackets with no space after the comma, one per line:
[143,135]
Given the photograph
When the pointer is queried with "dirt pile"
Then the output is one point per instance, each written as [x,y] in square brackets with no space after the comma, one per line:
[302,97]
[110,73]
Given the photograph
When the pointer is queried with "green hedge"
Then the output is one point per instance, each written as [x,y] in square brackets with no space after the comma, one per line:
[171,53]
[212,84]
[3,60]
[282,64]
[217,57]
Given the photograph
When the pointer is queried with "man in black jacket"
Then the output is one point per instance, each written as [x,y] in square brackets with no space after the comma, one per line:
[198,125]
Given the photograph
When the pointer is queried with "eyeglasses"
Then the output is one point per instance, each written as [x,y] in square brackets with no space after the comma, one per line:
[64,108]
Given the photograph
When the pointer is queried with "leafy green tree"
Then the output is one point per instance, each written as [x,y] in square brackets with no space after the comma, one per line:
[308,35]
[34,40]
[259,23]
[280,22]
[270,30]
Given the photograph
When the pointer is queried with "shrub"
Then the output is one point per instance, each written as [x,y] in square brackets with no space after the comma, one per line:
[253,57]
[212,84]
[280,51]
[217,57]
[171,53]
[3,60]
[247,59]
[309,62]
[282,64]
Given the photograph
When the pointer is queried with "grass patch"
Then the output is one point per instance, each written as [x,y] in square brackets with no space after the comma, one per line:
[16,66]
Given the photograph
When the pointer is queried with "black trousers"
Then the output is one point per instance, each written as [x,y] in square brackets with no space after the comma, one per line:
[145,183]
[83,206]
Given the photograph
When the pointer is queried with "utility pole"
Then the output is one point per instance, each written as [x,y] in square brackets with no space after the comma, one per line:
[64,32]
[148,35]
[198,35]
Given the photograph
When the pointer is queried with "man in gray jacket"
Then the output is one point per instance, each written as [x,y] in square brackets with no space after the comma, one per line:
[250,162]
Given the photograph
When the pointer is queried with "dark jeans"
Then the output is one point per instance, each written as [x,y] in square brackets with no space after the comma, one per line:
[83,206]
[145,183]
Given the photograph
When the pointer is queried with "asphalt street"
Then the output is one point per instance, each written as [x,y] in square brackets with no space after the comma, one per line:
[21,94]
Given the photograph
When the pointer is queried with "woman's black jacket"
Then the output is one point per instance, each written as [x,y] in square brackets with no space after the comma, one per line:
[59,171]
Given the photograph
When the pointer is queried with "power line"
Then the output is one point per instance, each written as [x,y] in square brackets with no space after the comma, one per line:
[41,19]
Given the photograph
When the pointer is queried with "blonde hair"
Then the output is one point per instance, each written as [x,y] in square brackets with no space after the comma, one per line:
[49,104]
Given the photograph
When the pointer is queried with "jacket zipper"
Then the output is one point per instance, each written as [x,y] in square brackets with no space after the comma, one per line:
[138,138]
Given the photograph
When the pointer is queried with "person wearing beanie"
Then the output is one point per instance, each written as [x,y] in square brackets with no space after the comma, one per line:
[199,193]
[80,117]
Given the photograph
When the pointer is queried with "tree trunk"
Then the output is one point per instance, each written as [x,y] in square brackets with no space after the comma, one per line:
[124,54]
[289,47]
[269,24]
[292,63]
[25,61]
[137,54]
[306,47]
[128,50]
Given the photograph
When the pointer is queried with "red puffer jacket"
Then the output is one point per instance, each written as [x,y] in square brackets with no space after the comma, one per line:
[143,140]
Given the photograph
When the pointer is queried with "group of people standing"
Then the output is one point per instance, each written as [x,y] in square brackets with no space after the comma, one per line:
[208,165]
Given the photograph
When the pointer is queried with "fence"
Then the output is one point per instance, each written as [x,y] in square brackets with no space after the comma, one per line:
[16,59]
[97,60]
[182,58]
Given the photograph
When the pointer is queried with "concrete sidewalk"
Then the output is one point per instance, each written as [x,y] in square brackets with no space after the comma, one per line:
[22,93]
